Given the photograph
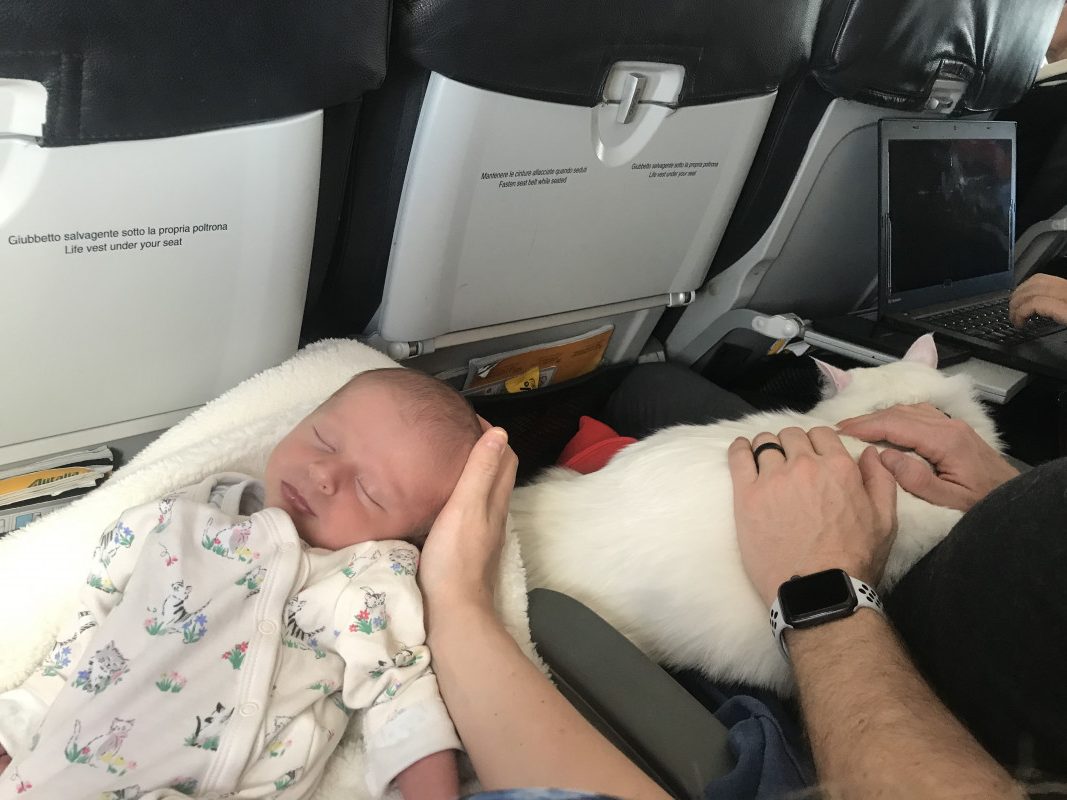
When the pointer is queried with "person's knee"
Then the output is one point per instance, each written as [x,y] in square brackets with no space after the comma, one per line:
[1034,497]
[1018,528]
[654,396]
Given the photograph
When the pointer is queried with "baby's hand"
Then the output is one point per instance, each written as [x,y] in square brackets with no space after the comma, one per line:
[5,759]
[433,777]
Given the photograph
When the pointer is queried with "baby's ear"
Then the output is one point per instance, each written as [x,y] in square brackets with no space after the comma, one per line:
[836,379]
[923,351]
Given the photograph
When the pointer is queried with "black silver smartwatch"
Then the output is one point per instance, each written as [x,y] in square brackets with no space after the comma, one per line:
[810,600]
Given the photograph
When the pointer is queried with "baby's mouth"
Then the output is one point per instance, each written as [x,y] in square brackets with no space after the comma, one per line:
[295,499]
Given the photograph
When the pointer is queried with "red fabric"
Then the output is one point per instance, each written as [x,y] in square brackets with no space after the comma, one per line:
[592,446]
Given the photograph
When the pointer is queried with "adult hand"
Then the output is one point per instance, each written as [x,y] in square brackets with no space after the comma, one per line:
[1045,295]
[811,509]
[965,468]
[462,552]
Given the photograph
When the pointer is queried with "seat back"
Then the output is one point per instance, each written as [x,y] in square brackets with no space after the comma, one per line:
[569,163]
[804,238]
[1041,173]
[1041,169]
[159,172]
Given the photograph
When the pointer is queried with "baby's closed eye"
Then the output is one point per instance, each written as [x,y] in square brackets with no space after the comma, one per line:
[326,445]
[366,493]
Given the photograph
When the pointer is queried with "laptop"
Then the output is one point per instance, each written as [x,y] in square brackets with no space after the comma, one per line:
[947,224]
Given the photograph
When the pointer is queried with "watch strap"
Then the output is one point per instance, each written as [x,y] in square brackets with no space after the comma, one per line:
[866,597]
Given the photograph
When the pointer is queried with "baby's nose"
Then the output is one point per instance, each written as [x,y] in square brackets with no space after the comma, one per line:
[322,477]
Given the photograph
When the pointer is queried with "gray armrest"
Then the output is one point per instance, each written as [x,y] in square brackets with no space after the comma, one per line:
[627,697]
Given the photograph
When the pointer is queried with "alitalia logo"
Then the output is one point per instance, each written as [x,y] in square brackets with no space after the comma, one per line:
[52,479]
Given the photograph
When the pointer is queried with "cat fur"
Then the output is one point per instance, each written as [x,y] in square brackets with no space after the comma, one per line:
[649,541]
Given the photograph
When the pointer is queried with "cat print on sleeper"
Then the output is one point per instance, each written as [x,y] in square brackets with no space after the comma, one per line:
[172,615]
[105,667]
[209,728]
[357,565]
[288,779]
[102,750]
[404,657]
[252,580]
[297,636]
[116,538]
[62,651]
[611,539]
[277,725]
[373,617]
[231,542]
[133,792]
[404,560]
[166,506]
[119,536]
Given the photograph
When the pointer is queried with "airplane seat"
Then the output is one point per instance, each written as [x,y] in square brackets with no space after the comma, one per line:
[804,237]
[1041,120]
[1041,173]
[159,187]
[559,167]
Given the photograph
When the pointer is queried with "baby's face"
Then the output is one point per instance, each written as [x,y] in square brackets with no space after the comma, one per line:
[355,470]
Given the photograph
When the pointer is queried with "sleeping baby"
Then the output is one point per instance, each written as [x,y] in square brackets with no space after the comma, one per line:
[226,632]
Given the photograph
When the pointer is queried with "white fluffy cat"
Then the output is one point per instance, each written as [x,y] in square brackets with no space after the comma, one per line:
[649,543]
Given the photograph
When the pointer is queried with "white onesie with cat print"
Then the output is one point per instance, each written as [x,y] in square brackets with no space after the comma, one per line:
[214,652]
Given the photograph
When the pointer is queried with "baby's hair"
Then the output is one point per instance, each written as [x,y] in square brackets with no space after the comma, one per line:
[427,401]
[433,403]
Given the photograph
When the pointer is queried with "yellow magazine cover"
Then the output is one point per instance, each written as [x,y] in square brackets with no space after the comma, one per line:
[539,365]
[41,478]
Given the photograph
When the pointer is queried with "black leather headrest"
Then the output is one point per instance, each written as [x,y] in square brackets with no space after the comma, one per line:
[561,50]
[890,52]
[116,69]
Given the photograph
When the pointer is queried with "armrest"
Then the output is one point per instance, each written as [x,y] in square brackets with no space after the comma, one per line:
[627,697]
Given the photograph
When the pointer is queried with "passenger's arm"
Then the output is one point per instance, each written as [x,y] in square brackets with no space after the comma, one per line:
[967,469]
[518,730]
[876,729]
[1041,294]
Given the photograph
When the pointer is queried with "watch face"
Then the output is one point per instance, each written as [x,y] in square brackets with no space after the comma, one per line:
[816,598]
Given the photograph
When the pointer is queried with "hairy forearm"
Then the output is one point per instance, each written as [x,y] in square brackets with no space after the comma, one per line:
[518,730]
[876,729]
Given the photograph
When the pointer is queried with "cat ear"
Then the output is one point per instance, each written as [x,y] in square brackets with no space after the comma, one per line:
[836,379]
[923,351]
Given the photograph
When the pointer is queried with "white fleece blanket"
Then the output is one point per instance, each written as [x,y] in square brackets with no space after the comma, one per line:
[43,565]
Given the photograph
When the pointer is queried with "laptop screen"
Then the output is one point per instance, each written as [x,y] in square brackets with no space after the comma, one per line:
[949,208]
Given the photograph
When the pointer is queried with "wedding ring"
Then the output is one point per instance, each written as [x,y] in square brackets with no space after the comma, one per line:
[766,446]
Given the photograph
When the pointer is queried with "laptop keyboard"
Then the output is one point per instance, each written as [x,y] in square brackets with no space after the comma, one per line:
[989,321]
